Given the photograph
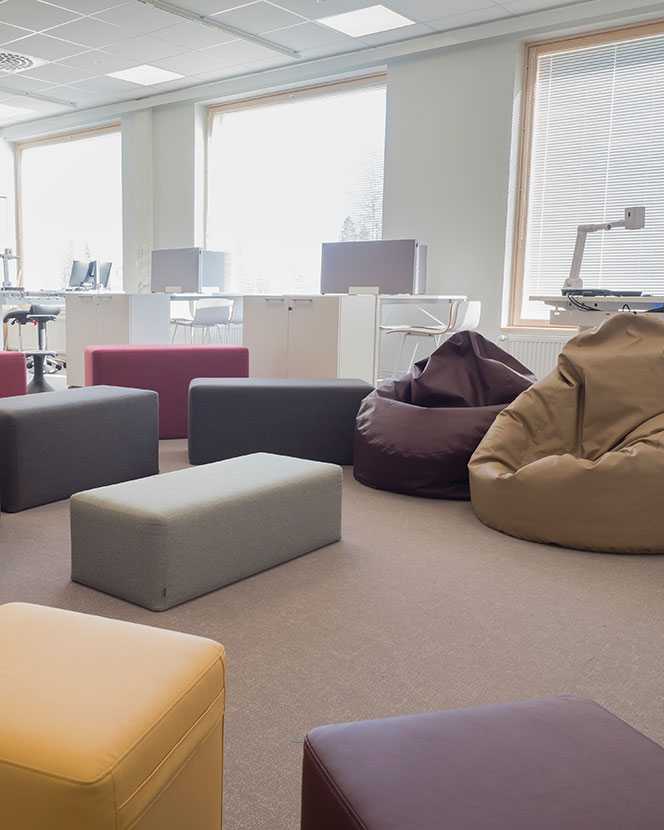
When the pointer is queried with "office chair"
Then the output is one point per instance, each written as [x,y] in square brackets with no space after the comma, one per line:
[41,361]
[461,316]
[208,320]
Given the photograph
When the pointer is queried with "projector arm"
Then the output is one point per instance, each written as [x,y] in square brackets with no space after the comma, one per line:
[635,219]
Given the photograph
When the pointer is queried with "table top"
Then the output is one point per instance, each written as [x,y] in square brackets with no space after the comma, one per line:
[561,300]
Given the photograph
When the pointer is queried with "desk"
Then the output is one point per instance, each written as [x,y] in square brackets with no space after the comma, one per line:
[328,335]
[565,313]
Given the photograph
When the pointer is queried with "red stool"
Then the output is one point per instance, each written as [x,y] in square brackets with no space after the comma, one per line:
[167,370]
[13,375]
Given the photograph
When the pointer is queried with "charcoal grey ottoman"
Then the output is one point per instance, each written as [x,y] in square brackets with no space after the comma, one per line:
[56,444]
[166,539]
[312,419]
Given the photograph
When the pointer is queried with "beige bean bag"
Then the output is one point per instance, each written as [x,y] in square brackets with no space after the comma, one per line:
[578,459]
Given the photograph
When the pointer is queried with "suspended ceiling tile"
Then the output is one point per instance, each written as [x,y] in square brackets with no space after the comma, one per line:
[259,18]
[194,35]
[33,15]
[45,47]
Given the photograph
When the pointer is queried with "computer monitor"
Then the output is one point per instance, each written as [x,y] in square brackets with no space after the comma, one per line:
[79,273]
[105,273]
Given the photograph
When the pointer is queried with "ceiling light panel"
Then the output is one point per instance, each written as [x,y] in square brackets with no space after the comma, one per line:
[366,21]
[145,75]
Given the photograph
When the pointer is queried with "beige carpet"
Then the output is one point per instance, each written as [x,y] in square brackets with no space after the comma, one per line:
[420,607]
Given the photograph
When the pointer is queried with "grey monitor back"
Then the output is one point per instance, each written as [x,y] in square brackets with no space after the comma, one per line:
[395,266]
[187,270]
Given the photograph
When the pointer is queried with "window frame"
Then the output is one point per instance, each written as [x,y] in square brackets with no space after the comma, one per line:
[55,138]
[533,51]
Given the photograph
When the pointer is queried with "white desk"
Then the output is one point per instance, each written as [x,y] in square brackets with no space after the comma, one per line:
[564,312]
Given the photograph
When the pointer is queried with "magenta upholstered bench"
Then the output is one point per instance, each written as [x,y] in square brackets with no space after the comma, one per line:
[13,376]
[167,370]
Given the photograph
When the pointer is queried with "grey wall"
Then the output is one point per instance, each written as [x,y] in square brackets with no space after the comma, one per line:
[447,168]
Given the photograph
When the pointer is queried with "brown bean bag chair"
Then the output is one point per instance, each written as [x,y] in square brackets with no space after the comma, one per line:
[578,460]
[415,435]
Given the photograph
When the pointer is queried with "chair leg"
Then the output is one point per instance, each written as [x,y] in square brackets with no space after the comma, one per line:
[413,356]
[175,331]
[402,346]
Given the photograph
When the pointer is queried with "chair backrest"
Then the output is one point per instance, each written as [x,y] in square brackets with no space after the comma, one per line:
[16,315]
[469,315]
[213,315]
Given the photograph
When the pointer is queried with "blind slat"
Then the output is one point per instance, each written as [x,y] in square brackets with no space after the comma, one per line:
[597,147]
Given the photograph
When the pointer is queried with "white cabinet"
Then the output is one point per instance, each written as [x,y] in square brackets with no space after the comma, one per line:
[313,337]
[112,319]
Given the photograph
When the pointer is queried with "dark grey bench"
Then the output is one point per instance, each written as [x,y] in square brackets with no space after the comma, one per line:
[313,419]
[59,443]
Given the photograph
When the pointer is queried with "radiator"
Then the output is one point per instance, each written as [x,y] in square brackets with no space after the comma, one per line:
[539,354]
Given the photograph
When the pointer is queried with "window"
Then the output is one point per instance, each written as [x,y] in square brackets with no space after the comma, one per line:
[594,145]
[70,192]
[286,174]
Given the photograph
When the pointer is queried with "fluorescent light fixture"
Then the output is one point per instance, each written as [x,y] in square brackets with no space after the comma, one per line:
[366,21]
[145,75]
[13,112]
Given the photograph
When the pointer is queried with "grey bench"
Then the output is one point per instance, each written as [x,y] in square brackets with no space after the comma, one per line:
[55,444]
[167,539]
[312,419]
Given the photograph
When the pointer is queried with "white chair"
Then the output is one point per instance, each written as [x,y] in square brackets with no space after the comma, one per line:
[232,329]
[462,316]
[208,320]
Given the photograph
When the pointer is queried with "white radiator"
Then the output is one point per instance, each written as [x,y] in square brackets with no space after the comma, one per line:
[538,353]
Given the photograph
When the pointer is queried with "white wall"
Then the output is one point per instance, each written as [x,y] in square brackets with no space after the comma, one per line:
[178,164]
[447,166]
[137,200]
[8,189]
[163,168]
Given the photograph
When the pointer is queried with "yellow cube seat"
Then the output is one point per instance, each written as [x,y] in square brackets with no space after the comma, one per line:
[107,725]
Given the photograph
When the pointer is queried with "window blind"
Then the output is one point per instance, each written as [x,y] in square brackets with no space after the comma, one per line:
[597,146]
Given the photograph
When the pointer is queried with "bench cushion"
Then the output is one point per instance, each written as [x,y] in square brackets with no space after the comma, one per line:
[312,419]
[54,444]
[166,539]
[167,370]
[547,764]
[107,725]
[13,374]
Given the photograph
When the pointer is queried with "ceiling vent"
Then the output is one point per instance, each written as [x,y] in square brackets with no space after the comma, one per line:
[16,62]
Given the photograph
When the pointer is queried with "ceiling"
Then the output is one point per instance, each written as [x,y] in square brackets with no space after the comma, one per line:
[81,41]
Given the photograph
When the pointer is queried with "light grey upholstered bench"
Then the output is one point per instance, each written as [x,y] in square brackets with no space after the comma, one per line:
[167,539]
[57,443]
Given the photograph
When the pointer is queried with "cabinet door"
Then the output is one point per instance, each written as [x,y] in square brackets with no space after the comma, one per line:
[265,334]
[313,337]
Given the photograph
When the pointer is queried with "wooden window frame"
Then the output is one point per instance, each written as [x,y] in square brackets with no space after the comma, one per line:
[533,52]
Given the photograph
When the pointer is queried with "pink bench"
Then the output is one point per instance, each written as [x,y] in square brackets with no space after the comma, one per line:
[13,375]
[167,370]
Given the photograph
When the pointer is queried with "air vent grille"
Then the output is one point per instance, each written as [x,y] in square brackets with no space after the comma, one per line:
[15,62]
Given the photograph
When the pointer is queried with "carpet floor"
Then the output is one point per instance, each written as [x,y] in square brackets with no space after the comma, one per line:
[420,607]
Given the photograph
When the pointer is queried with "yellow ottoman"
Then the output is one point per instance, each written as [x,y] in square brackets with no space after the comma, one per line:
[107,725]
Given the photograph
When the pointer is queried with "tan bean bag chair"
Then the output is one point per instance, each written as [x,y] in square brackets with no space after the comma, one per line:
[578,459]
